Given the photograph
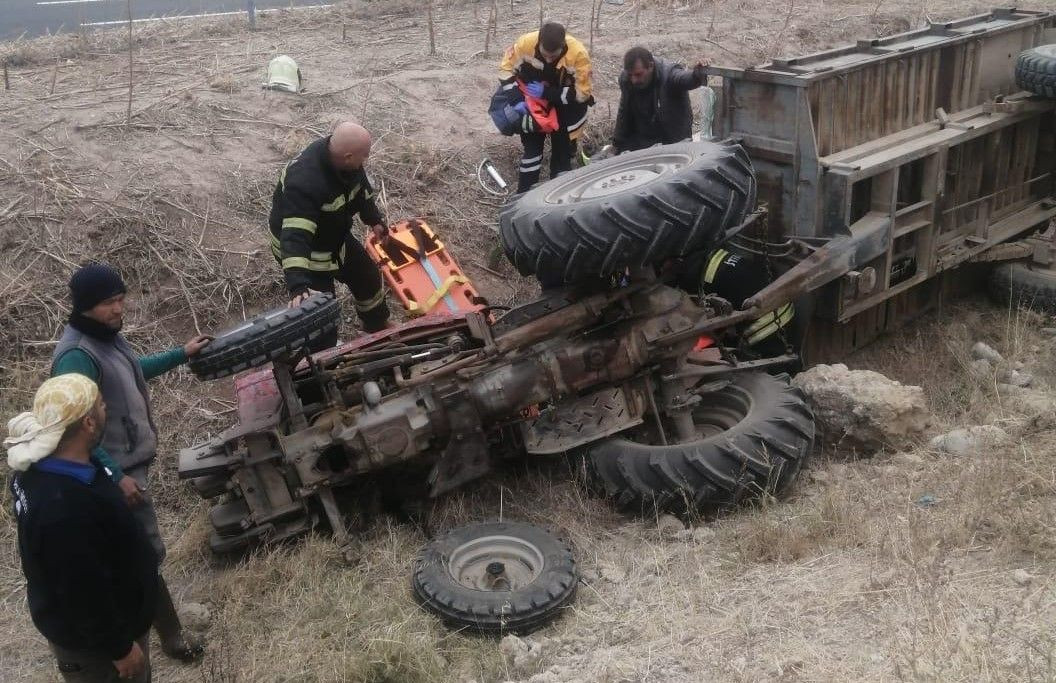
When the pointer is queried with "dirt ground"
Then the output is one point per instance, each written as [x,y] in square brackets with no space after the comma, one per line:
[851,579]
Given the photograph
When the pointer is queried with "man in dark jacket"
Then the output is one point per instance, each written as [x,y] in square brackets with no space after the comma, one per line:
[312,209]
[92,345]
[91,573]
[654,101]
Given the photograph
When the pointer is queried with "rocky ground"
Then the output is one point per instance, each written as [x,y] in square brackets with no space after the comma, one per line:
[902,554]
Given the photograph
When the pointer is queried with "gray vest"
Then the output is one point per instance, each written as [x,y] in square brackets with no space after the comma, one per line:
[131,438]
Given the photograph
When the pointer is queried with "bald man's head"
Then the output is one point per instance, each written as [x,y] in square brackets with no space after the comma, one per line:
[349,146]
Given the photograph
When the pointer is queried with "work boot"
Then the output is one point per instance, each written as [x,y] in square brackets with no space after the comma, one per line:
[174,642]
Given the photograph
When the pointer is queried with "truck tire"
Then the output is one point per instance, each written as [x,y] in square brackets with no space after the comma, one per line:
[1024,284]
[636,209]
[266,337]
[757,433]
[495,577]
[1036,70]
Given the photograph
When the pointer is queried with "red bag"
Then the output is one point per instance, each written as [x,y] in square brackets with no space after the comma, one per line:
[544,114]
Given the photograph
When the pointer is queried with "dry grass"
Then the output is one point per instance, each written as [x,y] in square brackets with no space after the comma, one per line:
[850,580]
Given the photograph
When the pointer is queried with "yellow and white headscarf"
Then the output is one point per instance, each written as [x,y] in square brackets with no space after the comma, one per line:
[60,402]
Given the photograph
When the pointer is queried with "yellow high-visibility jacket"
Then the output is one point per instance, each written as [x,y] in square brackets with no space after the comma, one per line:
[567,81]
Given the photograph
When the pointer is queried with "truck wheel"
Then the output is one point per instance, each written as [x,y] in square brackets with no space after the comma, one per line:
[266,337]
[1024,284]
[495,577]
[756,433]
[636,209]
[1036,70]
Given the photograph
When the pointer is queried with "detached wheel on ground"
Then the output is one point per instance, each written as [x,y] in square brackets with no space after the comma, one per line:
[1024,284]
[495,577]
[266,337]
[636,209]
[756,433]
[1036,70]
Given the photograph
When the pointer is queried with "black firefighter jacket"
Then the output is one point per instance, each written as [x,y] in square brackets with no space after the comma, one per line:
[311,214]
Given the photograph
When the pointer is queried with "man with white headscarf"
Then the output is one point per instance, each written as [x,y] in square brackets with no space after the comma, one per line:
[90,570]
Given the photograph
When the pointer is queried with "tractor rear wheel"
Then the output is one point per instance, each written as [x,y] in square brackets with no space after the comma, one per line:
[637,209]
[755,435]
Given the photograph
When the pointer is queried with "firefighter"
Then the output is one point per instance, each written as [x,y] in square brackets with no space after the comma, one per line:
[317,195]
[546,83]
[654,101]
[735,277]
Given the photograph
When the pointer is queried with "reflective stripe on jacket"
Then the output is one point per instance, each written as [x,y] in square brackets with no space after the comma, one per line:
[312,209]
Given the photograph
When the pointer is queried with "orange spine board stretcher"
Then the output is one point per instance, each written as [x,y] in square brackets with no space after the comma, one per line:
[420,271]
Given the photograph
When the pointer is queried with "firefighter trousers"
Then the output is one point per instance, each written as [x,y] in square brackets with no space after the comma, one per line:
[355,269]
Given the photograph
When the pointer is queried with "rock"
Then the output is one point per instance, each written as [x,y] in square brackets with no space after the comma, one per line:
[195,616]
[1017,378]
[1049,331]
[669,525]
[820,476]
[1022,577]
[986,352]
[909,458]
[703,534]
[981,368]
[1027,400]
[970,441]
[511,646]
[523,661]
[556,674]
[862,407]
[926,501]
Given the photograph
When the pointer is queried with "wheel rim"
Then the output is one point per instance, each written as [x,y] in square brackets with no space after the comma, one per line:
[615,177]
[717,413]
[721,411]
[495,563]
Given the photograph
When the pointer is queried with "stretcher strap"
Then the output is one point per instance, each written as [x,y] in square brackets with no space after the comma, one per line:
[415,309]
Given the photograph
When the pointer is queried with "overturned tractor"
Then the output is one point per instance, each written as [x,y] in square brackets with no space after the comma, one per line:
[604,369]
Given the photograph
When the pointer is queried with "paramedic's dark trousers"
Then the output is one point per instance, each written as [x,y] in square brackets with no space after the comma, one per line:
[561,149]
[360,274]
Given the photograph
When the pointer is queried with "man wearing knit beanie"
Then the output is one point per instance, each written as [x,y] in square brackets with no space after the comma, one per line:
[92,345]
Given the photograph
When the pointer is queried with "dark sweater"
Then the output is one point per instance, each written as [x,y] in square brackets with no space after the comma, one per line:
[91,572]
[659,114]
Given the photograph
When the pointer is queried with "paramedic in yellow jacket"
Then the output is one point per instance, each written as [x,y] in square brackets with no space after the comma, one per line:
[551,69]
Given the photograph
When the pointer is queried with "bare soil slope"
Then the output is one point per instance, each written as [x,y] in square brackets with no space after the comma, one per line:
[851,579]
